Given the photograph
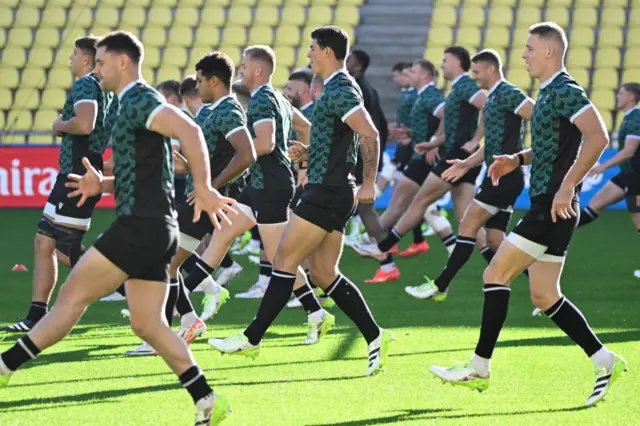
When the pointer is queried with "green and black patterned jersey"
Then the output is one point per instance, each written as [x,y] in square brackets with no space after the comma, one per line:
[274,169]
[92,146]
[307,111]
[112,116]
[555,140]
[407,97]
[218,122]
[143,159]
[630,128]
[334,146]
[460,116]
[503,127]
[424,122]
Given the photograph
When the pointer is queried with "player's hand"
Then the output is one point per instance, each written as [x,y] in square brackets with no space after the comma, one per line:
[423,147]
[458,169]
[561,207]
[85,186]
[502,165]
[366,194]
[56,125]
[597,170]
[298,152]
[180,164]
[302,178]
[432,156]
[216,206]
[470,147]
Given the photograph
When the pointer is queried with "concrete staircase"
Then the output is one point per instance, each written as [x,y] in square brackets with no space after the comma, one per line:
[391,31]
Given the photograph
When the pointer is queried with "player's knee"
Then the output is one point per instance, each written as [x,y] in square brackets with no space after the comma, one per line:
[322,277]
[494,238]
[543,299]
[142,325]
[495,273]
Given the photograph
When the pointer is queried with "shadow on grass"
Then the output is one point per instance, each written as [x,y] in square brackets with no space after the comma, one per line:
[607,337]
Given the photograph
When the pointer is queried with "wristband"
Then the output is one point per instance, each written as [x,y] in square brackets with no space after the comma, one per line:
[303,166]
[520,159]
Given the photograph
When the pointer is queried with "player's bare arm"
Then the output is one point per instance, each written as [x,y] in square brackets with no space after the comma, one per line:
[302,127]
[265,141]
[244,156]
[460,167]
[82,123]
[630,147]
[90,184]
[360,122]
[526,109]
[505,164]
[107,167]
[473,144]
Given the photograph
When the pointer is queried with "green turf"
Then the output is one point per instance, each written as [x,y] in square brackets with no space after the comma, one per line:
[539,376]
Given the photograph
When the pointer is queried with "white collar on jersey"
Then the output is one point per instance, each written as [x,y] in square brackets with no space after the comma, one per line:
[495,86]
[553,77]
[203,106]
[423,88]
[219,101]
[129,86]
[630,110]
[338,71]
[260,87]
[305,106]
[455,80]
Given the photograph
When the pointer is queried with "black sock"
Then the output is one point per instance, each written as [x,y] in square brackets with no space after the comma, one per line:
[172,297]
[189,263]
[448,240]
[390,240]
[227,261]
[587,215]
[417,234]
[350,301]
[308,275]
[308,299]
[461,254]
[255,233]
[121,290]
[196,384]
[494,313]
[37,311]
[526,272]
[486,252]
[274,300]
[265,268]
[573,323]
[387,260]
[183,304]
[24,350]
[199,272]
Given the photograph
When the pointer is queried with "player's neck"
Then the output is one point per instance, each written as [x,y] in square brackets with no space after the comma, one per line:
[331,69]
[84,71]
[127,79]
[194,106]
[494,80]
[550,72]
[305,100]
[422,84]
[457,75]
[628,107]
[221,94]
[258,83]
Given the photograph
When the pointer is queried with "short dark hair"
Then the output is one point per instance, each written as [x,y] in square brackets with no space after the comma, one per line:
[362,57]
[334,38]
[398,67]
[188,86]
[427,65]
[304,76]
[550,30]
[217,64]
[490,56]
[171,87]
[262,53]
[633,88]
[87,45]
[462,54]
[124,43]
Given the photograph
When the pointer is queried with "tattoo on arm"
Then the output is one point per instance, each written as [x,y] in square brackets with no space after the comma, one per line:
[369,147]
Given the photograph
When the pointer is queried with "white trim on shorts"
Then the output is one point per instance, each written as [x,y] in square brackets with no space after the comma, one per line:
[488,207]
[533,249]
[247,211]
[66,220]
[49,210]
[188,243]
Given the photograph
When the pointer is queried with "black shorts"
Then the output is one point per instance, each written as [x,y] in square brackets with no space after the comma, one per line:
[188,228]
[329,207]
[536,235]
[64,210]
[470,177]
[417,170]
[403,155]
[621,181]
[179,187]
[499,200]
[267,206]
[141,247]
[297,196]
[633,192]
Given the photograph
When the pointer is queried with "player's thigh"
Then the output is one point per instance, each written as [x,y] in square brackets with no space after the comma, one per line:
[271,234]
[508,262]
[146,301]
[495,237]
[609,194]
[240,223]
[324,261]
[431,191]
[462,195]
[544,283]
[299,239]
[474,218]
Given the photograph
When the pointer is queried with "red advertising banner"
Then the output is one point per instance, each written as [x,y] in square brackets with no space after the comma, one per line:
[28,174]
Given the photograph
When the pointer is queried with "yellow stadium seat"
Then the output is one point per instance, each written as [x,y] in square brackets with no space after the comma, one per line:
[27,17]
[346,15]
[45,139]
[500,17]
[481,3]
[59,3]
[53,17]
[196,3]
[239,16]
[148,74]
[168,73]
[588,3]
[581,75]
[472,16]
[174,56]
[634,17]
[260,35]
[134,17]
[605,79]
[195,55]
[151,56]
[20,37]
[44,118]
[302,59]
[13,57]
[79,17]
[280,77]
[5,103]
[603,99]
[610,37]
[234,53]
[3,38]
[287,35]
[59,77]
[9,3]
[632,74]
[498,37]
[527,16]
[633,37]
[320,15]
[267,15]
[186,17]
[352,2]
[154,36]
[325,2]
[608,57]
[515,59]
[559,15]
[621,3]
[47,37]
[502,53]
[613,17]
[537,3]
[62,55]
[581,37]
[585,17]
[434,54]
[579,57]
[140,3]
[40,57]
[27,98]
[244,2]
[298,2]
[212,16]
[270,2]
[208,37]
[285,56]
[6,20]
[100,30]
[520,36]
[469,37]
[632,58]
[107,16]
[234,36]
[440,36]
[444,16]
[520,78]
[509,3]
[181,36]
[167,3]
[15,138]
[53,98]
[159,17]
[293,15]
[112,3]
[8,77]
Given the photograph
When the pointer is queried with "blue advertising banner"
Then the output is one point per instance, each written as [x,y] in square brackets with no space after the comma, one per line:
[589,187]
